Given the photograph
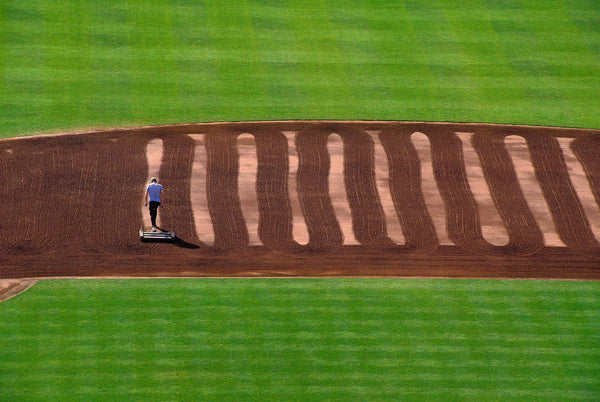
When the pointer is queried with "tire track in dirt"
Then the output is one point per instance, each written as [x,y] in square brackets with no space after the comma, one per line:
[203,223]
[338,192]
[71,186]
[176,177]
[520,157]
[77,185]
[91,195]
[382,180]
[231,233]
[524,234]
[33,182]
[587,149]
[581,185]
[299,230]
[275,225]
[324,230]
[98,212]
[247,174]
[57,191]
[433,200]
[464,226]
[492,227]
[8,212]
[368,219]
[136,158]
[405,188]
[154,156]
[462,216]
[126,171]
[567,212]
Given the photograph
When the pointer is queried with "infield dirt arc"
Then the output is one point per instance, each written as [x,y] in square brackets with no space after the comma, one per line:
[344,207]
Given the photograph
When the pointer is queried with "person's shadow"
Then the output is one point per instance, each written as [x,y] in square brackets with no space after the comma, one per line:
[179,242]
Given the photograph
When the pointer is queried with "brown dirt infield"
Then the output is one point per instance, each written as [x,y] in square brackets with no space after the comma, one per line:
[72,203]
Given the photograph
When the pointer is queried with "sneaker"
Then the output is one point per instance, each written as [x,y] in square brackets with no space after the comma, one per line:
[154,228]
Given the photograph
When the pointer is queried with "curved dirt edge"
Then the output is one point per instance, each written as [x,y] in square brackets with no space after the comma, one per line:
[10,288]
[192,126]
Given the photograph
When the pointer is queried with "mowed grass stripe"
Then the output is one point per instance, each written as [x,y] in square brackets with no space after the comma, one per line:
[72,65]
[303,338]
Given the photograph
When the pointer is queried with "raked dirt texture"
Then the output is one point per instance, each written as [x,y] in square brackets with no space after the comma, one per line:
[72,66]
[372,199]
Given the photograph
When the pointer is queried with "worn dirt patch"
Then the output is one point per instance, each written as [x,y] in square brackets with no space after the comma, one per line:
[12,287]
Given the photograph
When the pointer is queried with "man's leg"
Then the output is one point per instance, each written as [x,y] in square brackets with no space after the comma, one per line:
[153,212]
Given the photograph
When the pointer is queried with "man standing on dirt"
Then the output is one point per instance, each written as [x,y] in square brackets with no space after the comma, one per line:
[153,192]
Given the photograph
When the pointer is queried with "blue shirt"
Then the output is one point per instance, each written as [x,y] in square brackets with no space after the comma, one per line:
[154,190]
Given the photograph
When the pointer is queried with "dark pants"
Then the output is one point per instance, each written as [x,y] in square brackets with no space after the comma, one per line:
[153,211]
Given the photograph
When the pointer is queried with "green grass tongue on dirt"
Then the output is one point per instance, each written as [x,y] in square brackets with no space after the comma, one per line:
[301,339]
[71,64]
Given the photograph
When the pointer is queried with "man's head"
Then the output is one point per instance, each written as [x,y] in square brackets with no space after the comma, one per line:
[153,180]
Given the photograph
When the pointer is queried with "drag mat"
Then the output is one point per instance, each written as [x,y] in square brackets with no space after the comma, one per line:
[71,202]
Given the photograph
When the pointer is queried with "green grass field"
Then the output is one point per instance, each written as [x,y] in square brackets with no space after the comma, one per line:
[301,339]
[69,65]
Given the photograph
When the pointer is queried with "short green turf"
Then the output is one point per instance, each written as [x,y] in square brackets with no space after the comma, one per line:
[67,64]
[301,339]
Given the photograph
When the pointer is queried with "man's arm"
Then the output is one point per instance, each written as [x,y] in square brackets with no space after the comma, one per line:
[146,198]
[162,195]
